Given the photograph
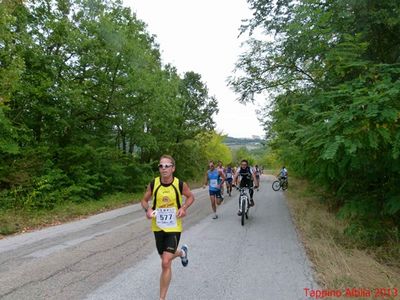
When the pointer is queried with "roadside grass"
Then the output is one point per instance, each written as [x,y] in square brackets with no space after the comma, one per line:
[338,261]
[195,184]
[25,220]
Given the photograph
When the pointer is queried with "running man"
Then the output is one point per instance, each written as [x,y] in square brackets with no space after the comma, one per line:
[229,178]
[221,168]
[258,173]
[166,212]
[247,178]
[215,179]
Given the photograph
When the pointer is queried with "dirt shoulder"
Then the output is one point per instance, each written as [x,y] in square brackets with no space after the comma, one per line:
[339,264]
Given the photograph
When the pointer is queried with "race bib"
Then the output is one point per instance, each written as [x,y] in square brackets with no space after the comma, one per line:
[166,217]
[213,183]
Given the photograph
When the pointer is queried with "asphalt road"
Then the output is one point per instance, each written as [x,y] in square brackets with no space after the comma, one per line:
[112,256]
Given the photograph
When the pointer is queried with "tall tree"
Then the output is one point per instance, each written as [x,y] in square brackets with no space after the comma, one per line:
[197,106]
[12,36]
[332,72]
[86,104]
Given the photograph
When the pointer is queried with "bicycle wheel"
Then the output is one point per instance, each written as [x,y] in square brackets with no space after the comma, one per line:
[243,207]
[285,185]
[276,185]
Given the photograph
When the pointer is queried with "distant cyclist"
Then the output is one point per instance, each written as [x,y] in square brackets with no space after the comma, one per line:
[283,174]
[247,179]
[229,178]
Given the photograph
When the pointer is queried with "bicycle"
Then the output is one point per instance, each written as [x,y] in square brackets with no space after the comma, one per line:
[282,182]
[244,203]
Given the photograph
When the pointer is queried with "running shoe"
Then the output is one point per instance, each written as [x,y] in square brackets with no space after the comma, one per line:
[239,213]
[251,202]
[215,217]
[184,259]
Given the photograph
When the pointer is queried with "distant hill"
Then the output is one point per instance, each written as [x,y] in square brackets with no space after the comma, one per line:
[243,142]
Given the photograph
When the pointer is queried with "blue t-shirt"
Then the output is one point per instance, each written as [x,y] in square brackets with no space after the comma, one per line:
[213,180]
[229,173]
[283,172]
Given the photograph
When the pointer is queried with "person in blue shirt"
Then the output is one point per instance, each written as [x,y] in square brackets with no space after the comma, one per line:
[214,178]
[229,179]
[283,173]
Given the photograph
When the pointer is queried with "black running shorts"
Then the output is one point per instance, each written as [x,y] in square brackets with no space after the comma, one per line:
[167,241]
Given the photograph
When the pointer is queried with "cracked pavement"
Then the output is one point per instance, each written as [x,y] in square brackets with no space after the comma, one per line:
[112,256]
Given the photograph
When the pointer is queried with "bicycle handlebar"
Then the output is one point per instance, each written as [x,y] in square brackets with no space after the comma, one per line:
[245,187]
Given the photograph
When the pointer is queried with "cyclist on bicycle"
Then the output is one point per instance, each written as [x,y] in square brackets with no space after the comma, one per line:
[248,178]
[283,174]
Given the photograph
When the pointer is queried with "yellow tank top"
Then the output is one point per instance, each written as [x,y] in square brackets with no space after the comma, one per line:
[166,206]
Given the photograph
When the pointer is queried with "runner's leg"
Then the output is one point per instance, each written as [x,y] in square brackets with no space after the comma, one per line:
[213,198]
[168,249]
[251,192]
[219,198]
[213,203]
[166,272]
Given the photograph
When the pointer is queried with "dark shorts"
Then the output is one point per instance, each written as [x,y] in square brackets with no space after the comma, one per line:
[215,193]
[246,183]
[229,180]
[167,241]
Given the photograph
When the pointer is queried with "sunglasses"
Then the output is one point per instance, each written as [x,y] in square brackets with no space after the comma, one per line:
[164,166]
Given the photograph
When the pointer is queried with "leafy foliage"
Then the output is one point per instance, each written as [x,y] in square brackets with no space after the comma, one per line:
[332,73]
[86,107]
[215,149]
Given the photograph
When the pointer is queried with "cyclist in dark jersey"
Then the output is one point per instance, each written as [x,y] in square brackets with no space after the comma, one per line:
[247,178]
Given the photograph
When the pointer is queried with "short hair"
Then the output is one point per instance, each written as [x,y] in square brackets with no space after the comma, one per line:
[244,161]
[168,157]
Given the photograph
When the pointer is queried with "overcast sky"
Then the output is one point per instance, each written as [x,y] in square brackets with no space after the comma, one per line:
[201,36]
